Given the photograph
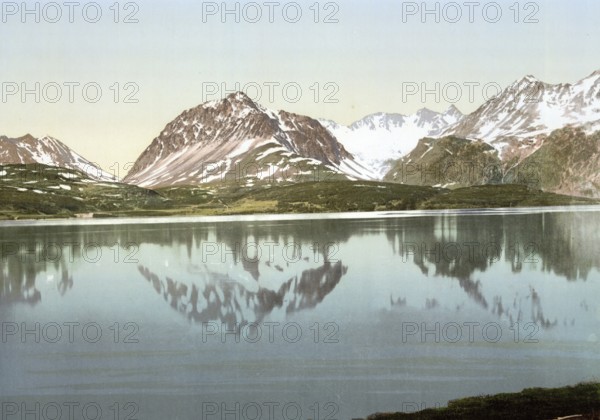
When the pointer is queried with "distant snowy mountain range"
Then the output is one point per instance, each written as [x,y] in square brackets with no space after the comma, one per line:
[525,109]
[235,137]
[379,139]
[530,107]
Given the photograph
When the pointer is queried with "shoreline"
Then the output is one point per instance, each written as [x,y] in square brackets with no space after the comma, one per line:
[581,401]
[276,217]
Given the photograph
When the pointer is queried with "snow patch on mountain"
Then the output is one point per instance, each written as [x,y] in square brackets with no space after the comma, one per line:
[530,107]
[234,138]
[47,151]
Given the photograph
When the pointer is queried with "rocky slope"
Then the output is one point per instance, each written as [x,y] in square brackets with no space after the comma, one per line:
[47,151]
[567,162]
[541,135]
[448,162]
[238,140]
[530,107]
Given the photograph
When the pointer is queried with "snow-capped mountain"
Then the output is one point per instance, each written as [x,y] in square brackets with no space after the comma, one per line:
[235,138]
[542,134]
[47,151]
[379,138]
[530,107]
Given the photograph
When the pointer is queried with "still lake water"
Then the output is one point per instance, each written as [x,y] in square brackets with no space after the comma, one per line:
[336,318]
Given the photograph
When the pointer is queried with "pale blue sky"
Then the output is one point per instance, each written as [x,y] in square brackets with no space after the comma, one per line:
[370,55]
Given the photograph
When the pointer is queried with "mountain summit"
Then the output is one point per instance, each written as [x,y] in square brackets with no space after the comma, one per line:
[47,151]
[544,135]
[530,107]
[235,138]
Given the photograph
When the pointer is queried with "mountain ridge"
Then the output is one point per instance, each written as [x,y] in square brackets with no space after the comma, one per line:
[382,137]
[209,141]
[48,151]
[530,107]
[237,138]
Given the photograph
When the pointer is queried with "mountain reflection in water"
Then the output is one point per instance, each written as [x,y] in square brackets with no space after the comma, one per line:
[223,299]
[236,287]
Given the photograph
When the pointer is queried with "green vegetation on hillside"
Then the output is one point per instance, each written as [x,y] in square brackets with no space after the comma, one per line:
[529,404]
[499,196]
[37,192]
[342,196]
[451,162]
[564,162]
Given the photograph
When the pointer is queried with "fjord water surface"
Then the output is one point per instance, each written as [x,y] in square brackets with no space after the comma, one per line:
[336,318]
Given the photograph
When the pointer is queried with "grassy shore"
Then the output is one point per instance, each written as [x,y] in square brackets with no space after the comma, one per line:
[529,404]
[31,192]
